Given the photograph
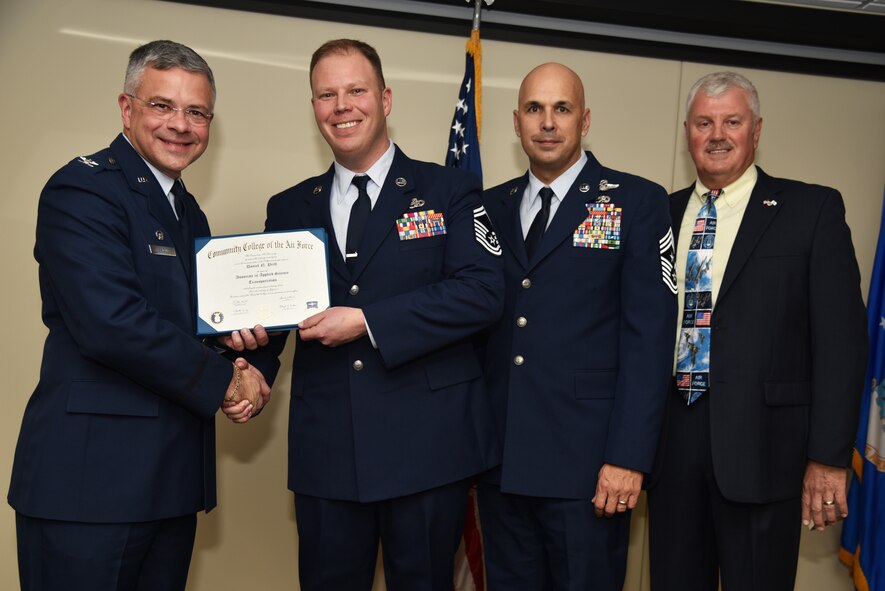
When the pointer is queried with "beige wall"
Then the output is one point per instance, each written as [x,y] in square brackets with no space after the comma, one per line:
[61,67]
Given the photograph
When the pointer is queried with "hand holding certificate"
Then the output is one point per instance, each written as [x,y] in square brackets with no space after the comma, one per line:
[274,279]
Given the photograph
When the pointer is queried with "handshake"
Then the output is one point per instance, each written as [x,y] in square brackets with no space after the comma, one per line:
[248,391]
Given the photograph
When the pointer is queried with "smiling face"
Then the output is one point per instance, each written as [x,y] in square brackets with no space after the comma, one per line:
[722,136]
[551,119]
[171,144]
[351,109]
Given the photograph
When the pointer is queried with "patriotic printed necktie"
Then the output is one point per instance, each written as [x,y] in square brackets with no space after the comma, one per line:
[693,351]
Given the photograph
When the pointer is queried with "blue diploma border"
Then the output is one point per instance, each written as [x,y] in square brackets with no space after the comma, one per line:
[203,328]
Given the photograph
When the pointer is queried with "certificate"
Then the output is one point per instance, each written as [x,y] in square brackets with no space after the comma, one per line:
[276,279]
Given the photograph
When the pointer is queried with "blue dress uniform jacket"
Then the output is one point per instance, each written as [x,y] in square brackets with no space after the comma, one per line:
[121,425]
[371,424]
[788,343]
[579,366]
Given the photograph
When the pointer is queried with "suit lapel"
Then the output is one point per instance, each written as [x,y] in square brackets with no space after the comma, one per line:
[756,219]
[678,203]
[572,211]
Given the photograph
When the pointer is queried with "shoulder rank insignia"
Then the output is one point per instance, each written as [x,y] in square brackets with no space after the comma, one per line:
[485,234]
[87,161]
[604,185]
[769,202]
[416,203]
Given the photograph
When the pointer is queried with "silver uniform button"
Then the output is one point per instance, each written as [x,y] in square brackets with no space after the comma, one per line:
[358,365]
[521,322]
[354,289]
[518,360]
[526,283]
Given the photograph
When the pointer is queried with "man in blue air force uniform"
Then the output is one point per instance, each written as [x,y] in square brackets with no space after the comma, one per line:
[578,366]
[117,446]
[389,416]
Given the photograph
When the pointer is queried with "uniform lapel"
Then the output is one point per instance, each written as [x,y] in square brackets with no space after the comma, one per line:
[756,219]
[572,211]
[141,180]
[319,215]
[392,202]
[678,203]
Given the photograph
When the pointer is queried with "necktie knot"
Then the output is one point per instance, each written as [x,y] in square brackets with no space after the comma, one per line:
[546,194]
[361,182]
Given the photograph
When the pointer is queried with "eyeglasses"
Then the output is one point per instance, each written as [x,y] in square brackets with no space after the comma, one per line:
[166,111]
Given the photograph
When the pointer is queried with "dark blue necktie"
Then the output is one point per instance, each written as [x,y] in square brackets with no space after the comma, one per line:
[179,194]
[539,224]
[359,216]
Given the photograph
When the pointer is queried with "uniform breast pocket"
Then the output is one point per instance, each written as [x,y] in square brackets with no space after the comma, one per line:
[422,243]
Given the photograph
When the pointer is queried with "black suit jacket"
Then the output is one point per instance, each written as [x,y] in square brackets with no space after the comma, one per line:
[788,341]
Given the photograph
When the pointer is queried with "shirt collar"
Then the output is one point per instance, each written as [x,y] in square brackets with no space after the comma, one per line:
[376,173]
[732,194]
[560,184]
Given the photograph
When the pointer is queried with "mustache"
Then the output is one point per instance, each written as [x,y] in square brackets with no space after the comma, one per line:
[545,138]
[719,145]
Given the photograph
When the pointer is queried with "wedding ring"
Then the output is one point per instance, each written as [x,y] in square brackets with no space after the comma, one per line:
[625,502]
[829,503]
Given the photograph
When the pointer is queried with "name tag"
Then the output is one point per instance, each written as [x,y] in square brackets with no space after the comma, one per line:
[163,251]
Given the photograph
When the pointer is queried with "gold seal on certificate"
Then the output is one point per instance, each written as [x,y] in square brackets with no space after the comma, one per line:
[275,279]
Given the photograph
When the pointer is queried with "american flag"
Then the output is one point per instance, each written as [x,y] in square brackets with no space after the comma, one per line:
[463,149]
[702,319]
[463,152]
[683,380]
[699,226]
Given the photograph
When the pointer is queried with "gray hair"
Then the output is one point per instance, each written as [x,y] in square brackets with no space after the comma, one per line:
[164,55]
[718,83]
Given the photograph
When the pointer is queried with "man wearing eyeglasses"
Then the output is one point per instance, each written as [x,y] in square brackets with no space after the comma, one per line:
[117,447]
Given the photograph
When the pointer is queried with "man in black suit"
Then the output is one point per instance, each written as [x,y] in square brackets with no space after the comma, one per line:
[760,434]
